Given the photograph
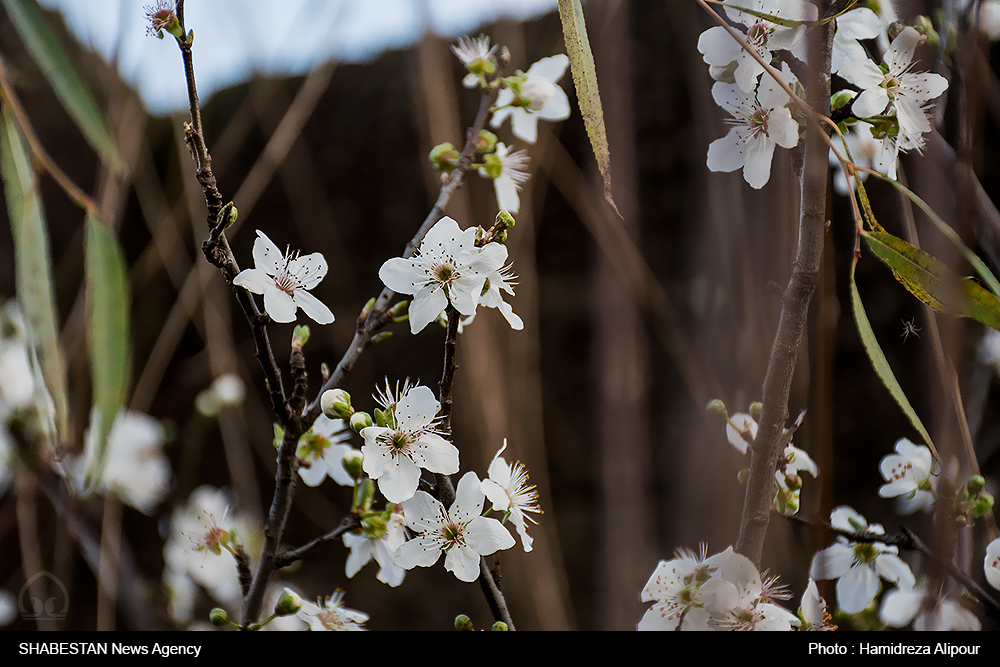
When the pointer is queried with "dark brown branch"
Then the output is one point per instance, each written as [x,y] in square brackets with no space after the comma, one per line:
[794,307]
[289,556]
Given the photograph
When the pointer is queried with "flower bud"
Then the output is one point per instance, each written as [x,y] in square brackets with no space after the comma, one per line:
[841,97]
[755,409]
[364,494]
[924,26]
[983,505]
[500,237]
[499,626]
[742,476]
[375,526]
[975,484]
[218,617]
[352,464]
[506,218]
[444,157]
[717,409]
[492,166]
[486,142]
[336,403]
[361,420]
[300,336]
[463,622]
[288,603]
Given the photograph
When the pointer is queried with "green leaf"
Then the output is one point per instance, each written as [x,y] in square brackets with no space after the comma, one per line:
[588,96]
[987,276]
[881,365]
[928,279]
[33,271]
[59,70]
[108,317]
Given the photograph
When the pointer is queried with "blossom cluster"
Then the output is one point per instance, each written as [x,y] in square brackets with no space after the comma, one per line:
[888,116]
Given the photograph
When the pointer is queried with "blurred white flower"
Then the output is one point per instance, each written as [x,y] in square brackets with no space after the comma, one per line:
[538,96]
[858,566]
[927,611]
[332,615]
[991,565]
[321,452]
[382,549]
[908,473]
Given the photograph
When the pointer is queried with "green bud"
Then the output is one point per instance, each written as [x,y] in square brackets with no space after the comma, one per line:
[397,311]
[717,409]
[362,420]
[983,505]
[379,337]
[975,484]
[279,435]
[486,142]
[367,309]
[840,98]
[364,494]
[336,403]
[742,476]
[925,27]
[499,626]
[506,218]
[352,464]
[218,617]
[288,603]
[755,409]
[501,236]
[793,481]
[463,622]
[300,336]
[444,157]
[324,370]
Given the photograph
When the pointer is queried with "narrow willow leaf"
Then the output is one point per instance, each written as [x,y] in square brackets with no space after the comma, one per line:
[777,20]
[59,70]
[33,271]
[987,276]
[928,279]
[588,96]
[881,365]
[108,317]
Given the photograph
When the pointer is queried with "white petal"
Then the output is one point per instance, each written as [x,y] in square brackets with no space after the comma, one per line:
[469,499]
[551,68]
[757,169]
[893,568]
[418,552]
[486,536]
[254,280]
[524,125]
[496,494]
[870,102]
[464,562]
[404,276]
[832,562]
[312,307]
[400,481]
[507,197]
[279,305]
[443,234]
[556,108]
[728,153]
[266,255]
[862,73]
[417,407]
[436,454]
[428,303]
[423,513]
[856,589]
[718,47]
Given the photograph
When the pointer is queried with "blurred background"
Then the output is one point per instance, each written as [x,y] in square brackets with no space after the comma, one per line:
[319,117]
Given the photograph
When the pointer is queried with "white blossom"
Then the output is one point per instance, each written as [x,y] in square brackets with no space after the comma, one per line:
[284,281]
[513,174]
[448,267]
[857,24]
[331,614]
[741,431]
[492,297]
[460,531]
[858,566]
[814,614]
[928,611]
[394,454]
[476,55]
[675,586]
[908,473]
[507,488]
[538,96]
[322,450]
[760,120]
[719,49]
[382,549]
[991,564]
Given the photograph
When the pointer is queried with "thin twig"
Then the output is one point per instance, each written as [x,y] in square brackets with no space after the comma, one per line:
[289,556]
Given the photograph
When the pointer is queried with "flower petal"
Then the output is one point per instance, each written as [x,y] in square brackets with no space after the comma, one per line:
[279,305]
[312,307]
[266,255]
